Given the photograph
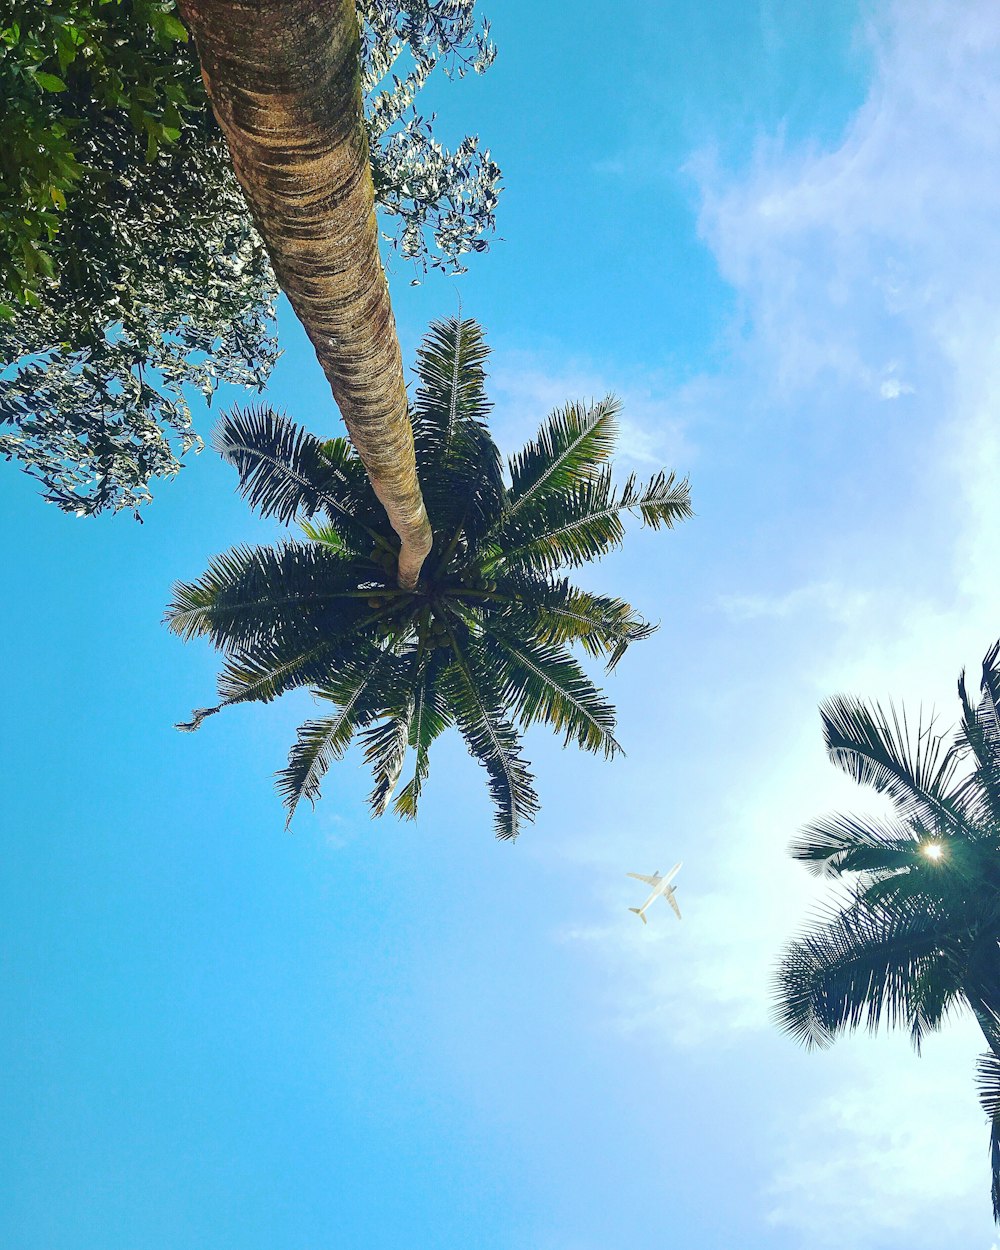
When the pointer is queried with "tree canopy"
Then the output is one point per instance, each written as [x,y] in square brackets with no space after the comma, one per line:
[913,935]
[129,268]
[483,641]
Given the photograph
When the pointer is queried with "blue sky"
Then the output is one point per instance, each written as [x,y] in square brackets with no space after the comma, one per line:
[772,229]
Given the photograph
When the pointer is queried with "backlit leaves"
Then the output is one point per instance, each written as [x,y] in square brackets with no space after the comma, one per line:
[130,272]
[915,931]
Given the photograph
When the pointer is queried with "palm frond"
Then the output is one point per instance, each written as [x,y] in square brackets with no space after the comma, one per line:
[989,708]
[430,719]
[572,446]
[385,750]
[542,684]
[835,844]
[464,498]
[585,522]
[450,367]
[362,688]
[474,701]
[263,673]
[457,460]
[326,535]
[933,998]
[911,884]
[979,736]
[555,611]
[287,472]
[988,1084]
[251,593]
[876,748]
[663,501]
[982,971]
[988,1088]
[266,673]
[864,965]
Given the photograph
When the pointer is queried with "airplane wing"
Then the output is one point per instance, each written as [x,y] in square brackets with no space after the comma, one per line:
[673,903]
[648,880]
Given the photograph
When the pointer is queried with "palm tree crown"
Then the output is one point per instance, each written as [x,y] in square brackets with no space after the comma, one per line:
[914,933]
[482,642]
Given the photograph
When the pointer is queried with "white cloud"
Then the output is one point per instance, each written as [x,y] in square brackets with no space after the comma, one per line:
[892,388]
[836,601]
[866,277]
[865,273]
[846,255]
[858,267]
[898,1153]
[655,422]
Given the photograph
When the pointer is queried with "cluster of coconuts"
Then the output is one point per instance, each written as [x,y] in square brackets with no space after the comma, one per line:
[385,558]
[432,630]
[386,561]
[434,633]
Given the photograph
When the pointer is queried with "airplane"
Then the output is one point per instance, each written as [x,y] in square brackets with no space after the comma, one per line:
[661,889]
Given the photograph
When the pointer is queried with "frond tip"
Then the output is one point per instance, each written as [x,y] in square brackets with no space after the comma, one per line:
[876,748]
[572,447]
[197,716]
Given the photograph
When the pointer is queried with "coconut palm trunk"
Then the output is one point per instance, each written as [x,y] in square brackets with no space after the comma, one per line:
[284,78]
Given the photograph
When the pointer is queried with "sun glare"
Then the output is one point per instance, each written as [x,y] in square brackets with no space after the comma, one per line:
[933,850]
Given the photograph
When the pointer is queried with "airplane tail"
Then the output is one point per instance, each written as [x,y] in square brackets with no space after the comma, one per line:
[641,914]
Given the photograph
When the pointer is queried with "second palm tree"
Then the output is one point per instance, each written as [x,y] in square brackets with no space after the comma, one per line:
[916,934]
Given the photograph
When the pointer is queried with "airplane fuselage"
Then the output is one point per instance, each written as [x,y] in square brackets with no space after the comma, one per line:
[661,889]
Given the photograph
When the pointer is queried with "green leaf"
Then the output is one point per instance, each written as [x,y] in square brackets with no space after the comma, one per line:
[286,472]
[362,688]
[988,1086]
[474,699]
[584,522]
[866,966]
[834,845]
[385,749]
[875,747]
[542,684]
[572,447]
[170,26]
[556,611]
[49,82]
[250,596]
[430,718]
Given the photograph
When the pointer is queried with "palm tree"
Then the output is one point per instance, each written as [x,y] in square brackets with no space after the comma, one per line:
[284,78]
[913,935]
[481,641]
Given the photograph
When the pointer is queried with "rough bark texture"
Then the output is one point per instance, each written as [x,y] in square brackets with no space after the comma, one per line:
[284,77]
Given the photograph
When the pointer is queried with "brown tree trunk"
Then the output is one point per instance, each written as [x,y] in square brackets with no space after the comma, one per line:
[284,78]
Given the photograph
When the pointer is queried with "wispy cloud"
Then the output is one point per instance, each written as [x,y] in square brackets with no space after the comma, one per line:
[656,418]
[843,604]
[892,388]
[866,273]
[851,260]
[892,1155]
[873,268]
